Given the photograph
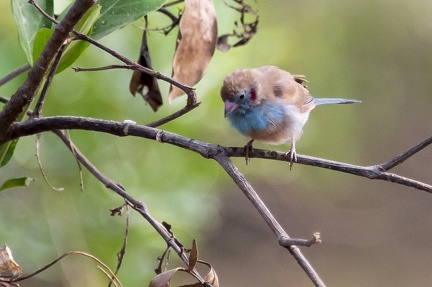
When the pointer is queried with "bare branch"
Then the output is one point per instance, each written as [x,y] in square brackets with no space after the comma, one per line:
[268,217]
[14,74]
[207,150]
[285,242]
[38,108]
[106,268]
[39,161]
[122,252]
[26,92]
[405,155]
[173,116]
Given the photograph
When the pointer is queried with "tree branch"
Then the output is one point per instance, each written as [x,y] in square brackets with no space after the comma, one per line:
[14,74]
[207,150]
[26,92]
[268,217]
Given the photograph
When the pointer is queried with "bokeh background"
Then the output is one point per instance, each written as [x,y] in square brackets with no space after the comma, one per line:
[374,233]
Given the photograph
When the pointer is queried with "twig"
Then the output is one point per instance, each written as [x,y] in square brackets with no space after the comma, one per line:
[122,252]
[135,204]
[63,256]
[104,68]
[14,74]
[173,116]
[38,108]
[285,241]
[268,217]
[38,157]
[405,155]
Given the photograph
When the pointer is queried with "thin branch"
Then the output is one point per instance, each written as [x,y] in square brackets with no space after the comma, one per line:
[77,161]
[285,241]
[405,155]
[135,204]
[173,116]
[106,268]
[122,252]
[38,159]
[38,108]
[207,150]
[268,217]
[12,75]
[104,68]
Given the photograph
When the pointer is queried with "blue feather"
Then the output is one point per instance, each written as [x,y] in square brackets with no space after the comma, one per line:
[246,119]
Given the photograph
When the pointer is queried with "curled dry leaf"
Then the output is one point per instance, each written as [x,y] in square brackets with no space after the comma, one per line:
[211,277]
[7,263]
[146,85]
[163,279]
[196,44]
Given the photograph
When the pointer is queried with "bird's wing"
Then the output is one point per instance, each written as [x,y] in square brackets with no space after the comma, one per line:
[282,86]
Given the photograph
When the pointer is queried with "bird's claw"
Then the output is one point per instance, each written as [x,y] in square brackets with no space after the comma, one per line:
[248,149]
[292,157]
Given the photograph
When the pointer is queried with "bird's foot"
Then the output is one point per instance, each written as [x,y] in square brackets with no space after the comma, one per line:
[292,157]
[248,150]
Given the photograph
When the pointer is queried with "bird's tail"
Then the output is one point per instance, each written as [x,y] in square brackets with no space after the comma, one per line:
[328,101]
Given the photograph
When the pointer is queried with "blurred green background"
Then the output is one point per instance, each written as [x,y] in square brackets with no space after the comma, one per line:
[374,233]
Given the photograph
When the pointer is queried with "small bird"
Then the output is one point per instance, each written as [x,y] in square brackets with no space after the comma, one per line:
[270,105]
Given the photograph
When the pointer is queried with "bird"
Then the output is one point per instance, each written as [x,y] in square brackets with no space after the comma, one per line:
[270,105]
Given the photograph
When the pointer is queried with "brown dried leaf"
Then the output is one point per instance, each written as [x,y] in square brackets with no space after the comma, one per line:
[163,279]
[7,263]
[211,277]
[146,85]
[193,257]
[196,44]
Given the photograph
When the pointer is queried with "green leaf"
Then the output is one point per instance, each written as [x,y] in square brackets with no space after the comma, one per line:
[6,152]
[16,182]
[74,50]
[116,14]
[7,149]
[42,37]
[29,21]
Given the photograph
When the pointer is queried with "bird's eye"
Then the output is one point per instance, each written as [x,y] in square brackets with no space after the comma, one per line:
[241,97]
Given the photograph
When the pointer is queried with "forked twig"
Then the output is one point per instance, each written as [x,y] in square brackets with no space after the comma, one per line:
[283,238]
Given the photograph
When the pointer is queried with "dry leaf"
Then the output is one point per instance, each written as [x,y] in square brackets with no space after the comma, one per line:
[146,85]
[7,263]
[163,279]
[193,257]
[211,277]
[196,44]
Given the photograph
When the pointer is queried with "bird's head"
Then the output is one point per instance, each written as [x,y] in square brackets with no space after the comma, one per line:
[239,92]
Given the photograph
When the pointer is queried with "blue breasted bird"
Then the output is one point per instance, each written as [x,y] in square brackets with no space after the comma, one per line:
[270,105]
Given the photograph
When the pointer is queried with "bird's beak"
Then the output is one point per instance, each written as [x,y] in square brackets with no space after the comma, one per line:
[230,107]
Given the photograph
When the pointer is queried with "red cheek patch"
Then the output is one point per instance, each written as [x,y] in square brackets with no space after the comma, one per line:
[252,94]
